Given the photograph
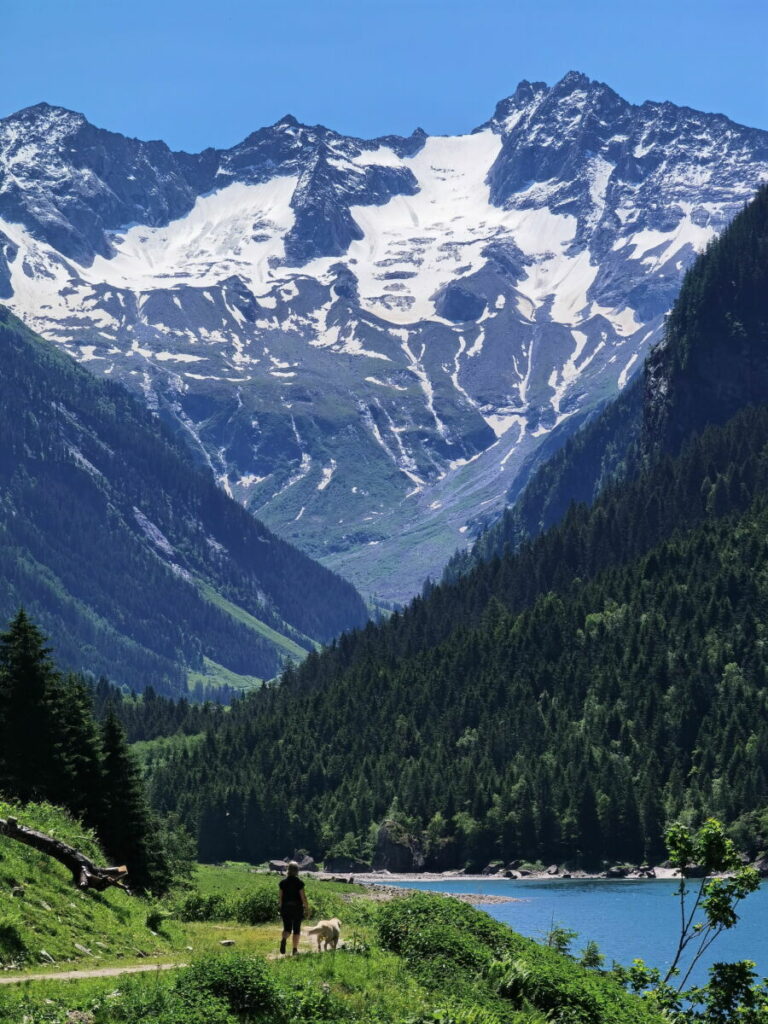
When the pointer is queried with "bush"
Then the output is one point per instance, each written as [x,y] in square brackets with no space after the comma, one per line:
[240,979]
[255,907]
[140,1004]
[194,906]
[401,921]
[452,946]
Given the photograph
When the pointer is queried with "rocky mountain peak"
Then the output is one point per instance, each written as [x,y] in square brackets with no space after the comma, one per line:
[369,340]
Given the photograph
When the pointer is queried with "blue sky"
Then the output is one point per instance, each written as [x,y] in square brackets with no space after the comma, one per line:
[207,73]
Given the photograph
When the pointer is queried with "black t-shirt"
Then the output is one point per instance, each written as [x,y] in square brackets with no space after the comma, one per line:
[291,887]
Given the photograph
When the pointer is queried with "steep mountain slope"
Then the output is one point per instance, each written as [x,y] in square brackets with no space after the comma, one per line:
[367,339]
[711,362]
[130,557]
[564,700]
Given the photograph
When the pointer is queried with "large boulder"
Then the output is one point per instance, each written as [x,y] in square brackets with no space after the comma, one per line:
[397,850]
[278,865]
[616,871]
[493,868]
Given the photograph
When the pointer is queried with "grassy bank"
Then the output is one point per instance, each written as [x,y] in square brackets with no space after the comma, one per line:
[420,959]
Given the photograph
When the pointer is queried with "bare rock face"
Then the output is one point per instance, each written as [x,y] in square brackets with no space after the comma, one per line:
[396,850]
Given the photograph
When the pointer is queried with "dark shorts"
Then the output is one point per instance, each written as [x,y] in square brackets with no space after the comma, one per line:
[292,918]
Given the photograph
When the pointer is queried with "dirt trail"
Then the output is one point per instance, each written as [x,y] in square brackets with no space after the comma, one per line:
[99,972]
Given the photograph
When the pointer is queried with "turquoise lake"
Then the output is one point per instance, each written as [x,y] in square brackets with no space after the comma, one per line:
[627,918]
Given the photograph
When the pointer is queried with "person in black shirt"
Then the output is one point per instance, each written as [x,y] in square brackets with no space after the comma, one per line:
[293,906]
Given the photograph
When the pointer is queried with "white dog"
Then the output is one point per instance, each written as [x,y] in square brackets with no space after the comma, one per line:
[326,932]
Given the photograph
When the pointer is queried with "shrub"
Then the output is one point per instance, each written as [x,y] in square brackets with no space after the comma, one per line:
[194,906]
[255,907]
[140,1004]
[240,979]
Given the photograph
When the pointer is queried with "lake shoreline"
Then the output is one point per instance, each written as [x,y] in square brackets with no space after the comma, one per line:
[379,878]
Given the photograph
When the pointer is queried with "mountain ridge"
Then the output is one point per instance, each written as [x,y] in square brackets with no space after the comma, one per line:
[368,340]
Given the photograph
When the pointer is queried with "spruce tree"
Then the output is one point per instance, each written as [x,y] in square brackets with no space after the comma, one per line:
[31,757]
[127,829]
[82,784]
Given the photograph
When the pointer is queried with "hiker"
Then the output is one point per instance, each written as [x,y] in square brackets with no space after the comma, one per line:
[293,906]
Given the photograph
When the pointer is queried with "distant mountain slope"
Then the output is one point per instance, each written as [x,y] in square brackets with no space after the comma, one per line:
[130,557]
[367,339]
[712,362]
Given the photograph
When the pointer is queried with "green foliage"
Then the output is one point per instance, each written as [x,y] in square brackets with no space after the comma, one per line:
[241,980]
[711,908]
[591,955]
[561,938]
[229,894]
[450,945]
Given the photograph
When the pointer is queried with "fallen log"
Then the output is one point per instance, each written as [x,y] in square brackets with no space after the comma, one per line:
[85,874]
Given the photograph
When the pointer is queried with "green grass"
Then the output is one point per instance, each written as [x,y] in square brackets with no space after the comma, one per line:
[217,675]
[421,959]
[285,644]
[44,918]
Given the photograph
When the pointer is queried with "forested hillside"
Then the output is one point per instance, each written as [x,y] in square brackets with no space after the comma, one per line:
[129,556]
[563,701]
[712,362]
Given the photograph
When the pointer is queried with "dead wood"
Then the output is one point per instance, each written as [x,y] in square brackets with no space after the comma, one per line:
[85,874]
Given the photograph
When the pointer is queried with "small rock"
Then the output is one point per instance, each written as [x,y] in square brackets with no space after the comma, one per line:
[83,949]
[226,942]
[18,891]
[45,905]
[553,869]
[45,955]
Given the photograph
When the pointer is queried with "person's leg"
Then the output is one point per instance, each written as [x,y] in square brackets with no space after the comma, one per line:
[296,935]
[283,940]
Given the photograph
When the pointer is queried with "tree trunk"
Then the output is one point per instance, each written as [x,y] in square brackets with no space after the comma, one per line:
[85,874]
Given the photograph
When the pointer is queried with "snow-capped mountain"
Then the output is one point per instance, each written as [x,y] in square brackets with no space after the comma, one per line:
[367,339]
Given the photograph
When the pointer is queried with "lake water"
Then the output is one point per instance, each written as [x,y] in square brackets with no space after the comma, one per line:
[627,919]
